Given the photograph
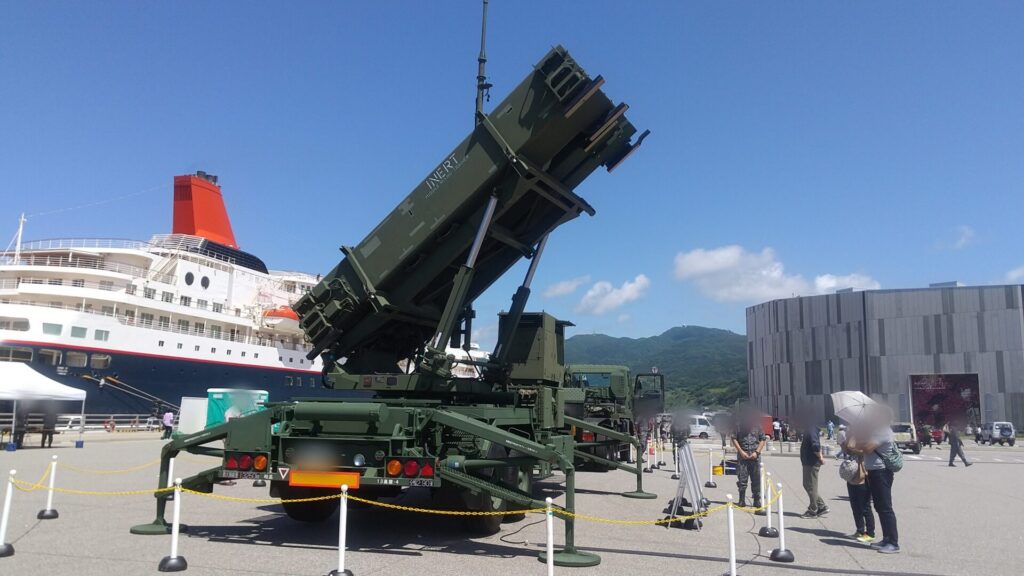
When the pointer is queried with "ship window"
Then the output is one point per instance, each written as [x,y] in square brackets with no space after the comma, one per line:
[49,357]
[160,343]
[202,304]
[76,359]
[229,352]
[189,278]
[165,321]
[197,348]
[16,324]
[215,331]
[205,282]
[288,380]
[129,315]
[149,293]
[183,325]
[167,297]
[302,360]
[186,300]
[280,358]
[243,353]
[55,282]
[78,283]
[291,360]
[179,345]
[130,289]
[107,285]
[99,361]
[147,319]
[256,355]
[213,350]
[11,354]
[53,329]
[200,328]
[78,331]
[101,335]
[107,310]
[218,307]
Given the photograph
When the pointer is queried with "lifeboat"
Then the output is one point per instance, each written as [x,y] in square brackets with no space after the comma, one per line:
[282,319]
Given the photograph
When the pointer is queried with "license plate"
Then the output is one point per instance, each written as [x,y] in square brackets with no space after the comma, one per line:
[421,482]
[244,475]
[324,479]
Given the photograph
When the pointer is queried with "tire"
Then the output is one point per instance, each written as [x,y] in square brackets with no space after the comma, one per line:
[318,511]
[1012,442]
[1002,443]
[703,436]
[525,484]
[917,448]
[483,502]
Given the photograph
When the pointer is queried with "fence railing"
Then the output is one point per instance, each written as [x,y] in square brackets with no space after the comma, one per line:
[72,422]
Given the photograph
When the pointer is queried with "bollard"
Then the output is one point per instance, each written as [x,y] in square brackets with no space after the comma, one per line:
[551,536]
[711,469]
[661,453]
[732,535]
[675,460]
[174,563]
[49,513]
[761,486]
[342,534]
[647,456]
[782,554]
[7,549]
[767,531]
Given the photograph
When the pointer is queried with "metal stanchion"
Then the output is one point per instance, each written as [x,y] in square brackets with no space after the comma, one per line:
[342,534]
[6,548]
[732,535]
[49,513]
[767,531]
[174,563]
[675,459]
[550,513]
[761,486]
[647,456]
[782,554]
[661,449]
[711,469]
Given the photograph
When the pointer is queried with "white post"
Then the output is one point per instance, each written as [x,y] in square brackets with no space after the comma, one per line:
[781,554]
[174,563]
[5,548]
[551,537]
[711,469]
[768,497]
[732,535]
[657,452]
[342,532]
[81,428]
[49,513]
[675,459]
[170,473]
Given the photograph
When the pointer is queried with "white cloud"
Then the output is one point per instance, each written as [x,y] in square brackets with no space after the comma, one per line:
[565,287]
[623,318]
[1015,275]
[603,297]
[733,274]
[964,237]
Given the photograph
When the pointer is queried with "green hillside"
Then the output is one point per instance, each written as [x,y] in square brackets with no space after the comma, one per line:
[702,366]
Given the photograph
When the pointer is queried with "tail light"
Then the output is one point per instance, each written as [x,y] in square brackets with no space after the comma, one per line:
[587,436]
[231,463]
[394,468]
[259,463]
[244,462]
[427,471]
[411,468]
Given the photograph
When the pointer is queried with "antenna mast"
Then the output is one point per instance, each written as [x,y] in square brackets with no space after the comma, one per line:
[17,242]
[482,87]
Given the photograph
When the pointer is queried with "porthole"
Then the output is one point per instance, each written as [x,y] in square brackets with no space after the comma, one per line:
[189,278]
[205,282]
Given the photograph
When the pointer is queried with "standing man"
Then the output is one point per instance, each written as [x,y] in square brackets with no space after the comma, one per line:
[831,427]
[749,443]
[777,429]
[49,425]
[956,445]
[811,459]
[168,424]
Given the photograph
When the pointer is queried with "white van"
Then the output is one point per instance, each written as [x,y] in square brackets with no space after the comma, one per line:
[700,427]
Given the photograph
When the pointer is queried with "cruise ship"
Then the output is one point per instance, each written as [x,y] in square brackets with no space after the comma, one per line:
[140,324]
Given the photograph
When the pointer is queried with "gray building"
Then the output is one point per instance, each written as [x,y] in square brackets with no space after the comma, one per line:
[799,350]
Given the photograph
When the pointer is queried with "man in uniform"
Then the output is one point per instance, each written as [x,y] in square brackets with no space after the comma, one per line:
[749,443]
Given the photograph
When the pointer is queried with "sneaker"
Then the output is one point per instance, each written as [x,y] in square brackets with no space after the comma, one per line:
[968,465]
[865,538]
[878,544]
[823,511]
[951,465]
[809,515]
[855,536]
[888,548]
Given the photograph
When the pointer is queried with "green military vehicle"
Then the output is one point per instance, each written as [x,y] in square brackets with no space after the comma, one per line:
[404,293]
[610,400]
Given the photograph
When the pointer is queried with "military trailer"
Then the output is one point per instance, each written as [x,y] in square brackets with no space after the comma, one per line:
[405,293]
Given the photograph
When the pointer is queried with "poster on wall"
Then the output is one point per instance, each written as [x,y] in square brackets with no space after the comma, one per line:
[940,398]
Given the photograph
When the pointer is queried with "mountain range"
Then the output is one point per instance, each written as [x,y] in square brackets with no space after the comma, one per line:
[703,367]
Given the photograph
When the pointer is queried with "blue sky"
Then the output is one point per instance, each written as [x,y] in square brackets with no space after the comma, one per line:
[796,147]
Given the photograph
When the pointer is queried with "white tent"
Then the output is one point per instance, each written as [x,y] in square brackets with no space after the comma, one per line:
[18,381]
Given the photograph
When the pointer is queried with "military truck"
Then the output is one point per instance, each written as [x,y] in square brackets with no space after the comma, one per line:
[610,400]
[405,293]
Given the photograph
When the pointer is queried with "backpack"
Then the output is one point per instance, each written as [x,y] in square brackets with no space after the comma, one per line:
[893,459]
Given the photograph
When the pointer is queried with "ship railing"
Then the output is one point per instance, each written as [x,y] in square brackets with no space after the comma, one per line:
[73,422]
[83,243]
[87,263]
[156,324]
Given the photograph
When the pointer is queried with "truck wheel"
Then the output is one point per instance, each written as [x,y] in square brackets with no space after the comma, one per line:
[525,484]
[486,525]
[917,448]
[1001,443]
[316,511]
[703,436]
[1012,442]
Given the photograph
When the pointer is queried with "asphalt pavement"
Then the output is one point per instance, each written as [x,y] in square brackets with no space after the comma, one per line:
[951,521]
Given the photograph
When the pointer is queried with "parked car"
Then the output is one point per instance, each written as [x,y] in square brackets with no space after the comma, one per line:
[701,427]
[1002,432]
[905,437]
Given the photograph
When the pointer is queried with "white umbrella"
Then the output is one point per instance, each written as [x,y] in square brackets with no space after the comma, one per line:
[851,405]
